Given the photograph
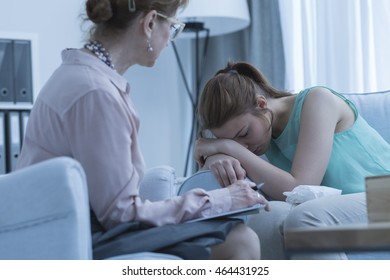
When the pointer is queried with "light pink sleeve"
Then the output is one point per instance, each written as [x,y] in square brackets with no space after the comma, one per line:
[103,135]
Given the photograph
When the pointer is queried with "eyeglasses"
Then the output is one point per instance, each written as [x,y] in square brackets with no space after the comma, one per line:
[176,26]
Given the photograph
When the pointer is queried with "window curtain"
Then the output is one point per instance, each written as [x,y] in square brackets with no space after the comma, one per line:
[341,44]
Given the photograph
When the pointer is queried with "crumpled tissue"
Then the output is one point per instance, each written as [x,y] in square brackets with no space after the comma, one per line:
[304,193]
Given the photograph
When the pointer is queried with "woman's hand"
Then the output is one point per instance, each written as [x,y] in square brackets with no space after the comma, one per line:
[244,196]
[205,147]
[226,169]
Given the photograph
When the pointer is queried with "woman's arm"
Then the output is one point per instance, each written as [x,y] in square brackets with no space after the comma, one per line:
[258,170]
[321,114]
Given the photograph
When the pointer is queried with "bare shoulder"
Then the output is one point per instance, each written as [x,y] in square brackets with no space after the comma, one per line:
[320,92]
[322,96]
[321,101]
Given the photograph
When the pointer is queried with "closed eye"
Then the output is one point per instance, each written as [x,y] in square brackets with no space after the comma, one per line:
[243,132]
[244,135]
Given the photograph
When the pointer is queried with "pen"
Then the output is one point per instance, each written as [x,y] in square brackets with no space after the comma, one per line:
[257,187]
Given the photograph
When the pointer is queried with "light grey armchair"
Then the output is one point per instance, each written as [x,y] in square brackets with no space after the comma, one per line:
[44,211]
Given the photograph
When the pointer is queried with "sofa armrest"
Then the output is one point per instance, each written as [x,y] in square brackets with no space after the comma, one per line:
[159,183]
[44,212]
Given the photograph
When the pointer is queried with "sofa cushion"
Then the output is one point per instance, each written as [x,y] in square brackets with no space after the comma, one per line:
[374,107]
[159,183]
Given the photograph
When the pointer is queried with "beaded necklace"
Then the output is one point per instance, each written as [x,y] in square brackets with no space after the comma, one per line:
[97,49]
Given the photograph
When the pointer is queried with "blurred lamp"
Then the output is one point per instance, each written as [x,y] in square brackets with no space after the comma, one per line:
[218,16]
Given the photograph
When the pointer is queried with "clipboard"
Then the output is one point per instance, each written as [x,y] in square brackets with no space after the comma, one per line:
[240,213]
[206,180]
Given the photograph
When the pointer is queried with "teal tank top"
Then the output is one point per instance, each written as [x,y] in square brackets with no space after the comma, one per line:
[356,153]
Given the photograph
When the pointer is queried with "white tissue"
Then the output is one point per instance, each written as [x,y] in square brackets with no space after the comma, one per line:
[304,193]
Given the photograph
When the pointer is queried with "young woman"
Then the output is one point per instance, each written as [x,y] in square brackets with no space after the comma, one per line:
[316,137]
[85,112]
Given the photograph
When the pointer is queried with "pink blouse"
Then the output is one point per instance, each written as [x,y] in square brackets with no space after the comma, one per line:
[85,112]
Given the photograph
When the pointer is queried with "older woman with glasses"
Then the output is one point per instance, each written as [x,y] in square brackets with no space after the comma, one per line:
[85,112]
